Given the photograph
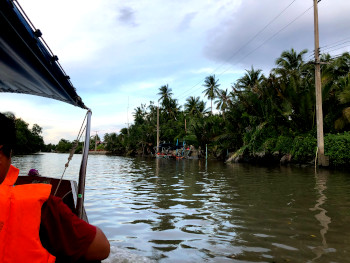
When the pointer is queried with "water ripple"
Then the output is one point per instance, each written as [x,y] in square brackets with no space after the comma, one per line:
[192,211]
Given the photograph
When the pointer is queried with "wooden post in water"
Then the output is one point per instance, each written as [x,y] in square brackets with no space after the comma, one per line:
[157,129]
[322,160]
[206,151]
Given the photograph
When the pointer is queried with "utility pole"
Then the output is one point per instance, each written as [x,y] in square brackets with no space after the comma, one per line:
[96,141]
[127,116]
[158,128]
[322,160]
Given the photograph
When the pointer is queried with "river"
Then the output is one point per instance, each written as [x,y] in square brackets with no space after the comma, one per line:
[196,211]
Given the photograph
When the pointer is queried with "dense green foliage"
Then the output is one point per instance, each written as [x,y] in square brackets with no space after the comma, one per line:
[273,114]
[260,116]
[28,140]
[337,148]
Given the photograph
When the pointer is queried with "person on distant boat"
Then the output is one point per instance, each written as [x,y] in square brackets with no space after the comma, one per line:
[33,172]
[63,237]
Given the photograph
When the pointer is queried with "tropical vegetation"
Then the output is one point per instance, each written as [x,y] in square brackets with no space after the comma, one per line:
[260,117]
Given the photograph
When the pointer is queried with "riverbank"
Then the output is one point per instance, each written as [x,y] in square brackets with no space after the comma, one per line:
[98,152]
[300,150]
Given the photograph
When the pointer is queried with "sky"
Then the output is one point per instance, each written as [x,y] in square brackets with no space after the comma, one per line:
[119,53]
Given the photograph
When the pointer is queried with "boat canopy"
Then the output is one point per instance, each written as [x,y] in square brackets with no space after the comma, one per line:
[27,64]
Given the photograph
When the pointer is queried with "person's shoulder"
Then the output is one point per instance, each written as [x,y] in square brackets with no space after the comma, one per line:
[54,200]
[64,231]
[56,203]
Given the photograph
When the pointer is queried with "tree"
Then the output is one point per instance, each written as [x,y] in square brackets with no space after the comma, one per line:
[139,114]
[195,107]
[169,105]
[28,140]
[290,63]
[211,90]
[296,89]
[165,95]
[344,99]
[251,80]
[94,141]
[223,101]
[249,92]
[64,146]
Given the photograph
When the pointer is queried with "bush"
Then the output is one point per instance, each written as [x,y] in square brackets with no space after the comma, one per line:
[284,144]
[269,145]
[304,148]
[337,147]
[191,140]
[259,139]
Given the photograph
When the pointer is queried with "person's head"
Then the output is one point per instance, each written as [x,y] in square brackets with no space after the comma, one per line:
[7,143]
[33,172]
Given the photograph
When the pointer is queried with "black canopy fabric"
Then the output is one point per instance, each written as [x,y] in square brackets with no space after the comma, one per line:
[26,65]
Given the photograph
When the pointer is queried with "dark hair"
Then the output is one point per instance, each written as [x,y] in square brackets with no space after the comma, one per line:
[7,134]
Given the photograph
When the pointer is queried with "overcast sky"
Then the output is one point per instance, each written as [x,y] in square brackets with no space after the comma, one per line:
[119,53]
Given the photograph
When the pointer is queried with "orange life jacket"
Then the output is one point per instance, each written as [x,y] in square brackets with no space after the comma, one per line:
[20,216]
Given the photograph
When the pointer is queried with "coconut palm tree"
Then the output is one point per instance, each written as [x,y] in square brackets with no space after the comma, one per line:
[139,114]
[223,101]
[251,79]
[248,90]
[296,88]
[165,93]
[289,63]
[195,107]
[344,98]
[211,90]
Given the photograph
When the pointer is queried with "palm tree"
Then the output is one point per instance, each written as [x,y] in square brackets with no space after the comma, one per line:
[139,114]
[211,90]
[195,107]
[344,98]
[166,94]
[223,101]
[290,62]
[169,104]
[248,91]
[251,79]
[296,88]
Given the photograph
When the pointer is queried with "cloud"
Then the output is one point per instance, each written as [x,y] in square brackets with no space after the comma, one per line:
[127,16]
[243,40]
[118,54]
[185,23]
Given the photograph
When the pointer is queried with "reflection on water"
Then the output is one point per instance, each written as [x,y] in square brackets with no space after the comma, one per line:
[198,211]
[321,186]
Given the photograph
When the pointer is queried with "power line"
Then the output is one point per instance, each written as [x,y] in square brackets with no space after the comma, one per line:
[338,48]
[273,36]
[329,46]
[336,42]
[341,44]
[267,40]
[249,41]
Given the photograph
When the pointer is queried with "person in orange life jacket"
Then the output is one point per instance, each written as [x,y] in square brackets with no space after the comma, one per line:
[24,208]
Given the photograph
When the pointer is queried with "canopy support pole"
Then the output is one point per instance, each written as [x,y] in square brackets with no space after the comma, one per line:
[82,172]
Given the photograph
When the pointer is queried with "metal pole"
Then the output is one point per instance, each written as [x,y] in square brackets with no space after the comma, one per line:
[82,172]
[318,89]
